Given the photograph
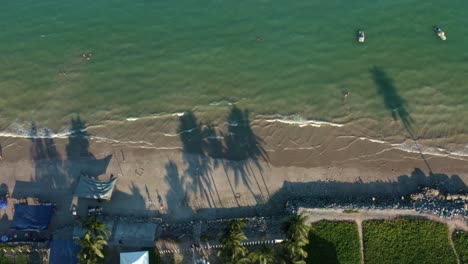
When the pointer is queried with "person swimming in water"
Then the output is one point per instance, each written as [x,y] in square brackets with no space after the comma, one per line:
[346,94]
[87,55]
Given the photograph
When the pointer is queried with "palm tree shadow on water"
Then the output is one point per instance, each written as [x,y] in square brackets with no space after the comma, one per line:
[394,103]
[392,100]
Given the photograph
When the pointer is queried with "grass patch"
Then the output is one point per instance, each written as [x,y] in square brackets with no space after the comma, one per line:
[334,242]
[460,239]
[406,240]
[154,257]
[350,211]
[111,255]
[14,259]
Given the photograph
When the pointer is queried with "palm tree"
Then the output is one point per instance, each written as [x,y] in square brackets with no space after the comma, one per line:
[96,226]
[232,250]
[263,256]
[91,248]
[297,234]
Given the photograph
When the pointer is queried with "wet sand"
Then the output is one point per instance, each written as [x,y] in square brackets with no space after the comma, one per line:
[229,170]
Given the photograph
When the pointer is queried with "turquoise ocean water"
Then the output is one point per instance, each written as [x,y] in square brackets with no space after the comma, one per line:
[269,56]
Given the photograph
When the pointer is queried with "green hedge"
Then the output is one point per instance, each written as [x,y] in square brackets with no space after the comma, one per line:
[334,242]
[16,259]
[460,239]
[406,240]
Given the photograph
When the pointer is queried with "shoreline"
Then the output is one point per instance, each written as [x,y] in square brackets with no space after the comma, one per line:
[149,131]
[189,173]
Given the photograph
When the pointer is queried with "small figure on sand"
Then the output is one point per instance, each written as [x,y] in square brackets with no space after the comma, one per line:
[87,55]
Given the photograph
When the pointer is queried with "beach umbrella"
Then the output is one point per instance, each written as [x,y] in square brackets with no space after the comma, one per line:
[3,204]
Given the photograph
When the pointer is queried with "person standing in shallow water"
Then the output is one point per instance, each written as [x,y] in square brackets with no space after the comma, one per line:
[345,101]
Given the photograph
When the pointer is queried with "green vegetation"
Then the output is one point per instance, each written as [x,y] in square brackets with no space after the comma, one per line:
[350,211]
[263,255]
[14,259]
[91,248]
[297,234]
[406,240]
[334,242]
[460,239]
[96,227]
[292,251]
[231,238]
[94,242]
[154,257]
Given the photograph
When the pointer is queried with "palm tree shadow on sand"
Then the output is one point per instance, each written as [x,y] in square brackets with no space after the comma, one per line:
[244,151]
[52,172]
[77,150]
[238,150]
[198,164]
[394,103]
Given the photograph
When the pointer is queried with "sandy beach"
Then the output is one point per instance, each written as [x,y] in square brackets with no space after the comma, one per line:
[191,170]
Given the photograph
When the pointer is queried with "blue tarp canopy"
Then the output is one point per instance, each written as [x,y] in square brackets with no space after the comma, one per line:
[3,204]
[64,251]
[31,217]
[95,189]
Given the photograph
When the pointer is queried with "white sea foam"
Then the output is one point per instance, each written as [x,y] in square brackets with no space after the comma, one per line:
[181,132]
[373,140]
[225,102]
[18,130]
[303,123]
[411,146]
[140,143]
[216,137]
[162,115]
[23,130]
[220,103]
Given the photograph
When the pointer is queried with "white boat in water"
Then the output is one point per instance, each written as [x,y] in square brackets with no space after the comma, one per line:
[361,36]
[440,33]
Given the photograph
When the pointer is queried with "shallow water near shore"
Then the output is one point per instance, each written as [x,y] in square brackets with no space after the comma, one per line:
[286,61]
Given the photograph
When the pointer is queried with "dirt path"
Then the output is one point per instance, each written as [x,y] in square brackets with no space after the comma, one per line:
[452,229]
[361,239]
[316,215]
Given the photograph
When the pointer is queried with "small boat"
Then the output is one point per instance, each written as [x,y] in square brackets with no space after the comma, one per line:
[440,33]
[361,36]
